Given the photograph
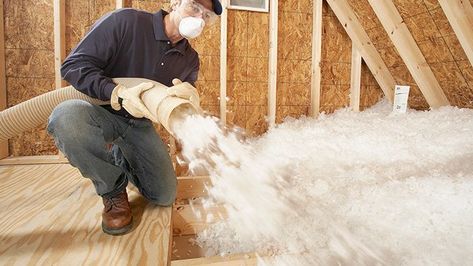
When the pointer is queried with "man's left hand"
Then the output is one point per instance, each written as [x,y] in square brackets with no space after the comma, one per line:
[186,91]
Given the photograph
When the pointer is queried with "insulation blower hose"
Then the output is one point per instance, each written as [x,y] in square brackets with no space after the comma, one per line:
[34,112]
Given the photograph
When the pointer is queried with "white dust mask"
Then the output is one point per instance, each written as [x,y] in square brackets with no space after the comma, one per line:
[191,27]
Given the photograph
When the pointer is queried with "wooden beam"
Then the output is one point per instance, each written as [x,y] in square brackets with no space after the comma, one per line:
[316,57]
[360,39]
[59,45]
[190,187]
[192,219]
[120,4]
[273,62]
[410,53]
[355,84]
[3,80]
[59,40]
[185,248]
[250,259]
[460,15]
[223,63]
[38,159]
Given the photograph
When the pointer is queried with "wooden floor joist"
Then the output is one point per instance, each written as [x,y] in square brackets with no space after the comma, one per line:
[190,219]
[230,260]
[50,215]
[189,187]
[193,219]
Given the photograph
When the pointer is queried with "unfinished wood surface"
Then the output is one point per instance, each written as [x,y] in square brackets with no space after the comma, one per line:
[59,44]
[355,85]
[273,62]
[230,260]
[460,16]
[186,247]
[223,63]
[3,84]
[316,57]
[59,40]
[38,159]
[190,187]
[409,51]
[50,215]
[29,53]
[190,219]
[120,4]
[360,39]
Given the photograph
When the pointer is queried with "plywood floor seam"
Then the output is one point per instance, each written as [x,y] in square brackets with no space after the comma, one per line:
[50,215]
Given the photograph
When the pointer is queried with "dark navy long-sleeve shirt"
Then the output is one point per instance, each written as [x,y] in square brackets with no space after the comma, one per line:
[128,43]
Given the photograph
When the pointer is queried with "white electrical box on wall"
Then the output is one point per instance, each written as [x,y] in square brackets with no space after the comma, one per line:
[401,94]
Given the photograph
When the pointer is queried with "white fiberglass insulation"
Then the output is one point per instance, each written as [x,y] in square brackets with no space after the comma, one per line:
[351,188]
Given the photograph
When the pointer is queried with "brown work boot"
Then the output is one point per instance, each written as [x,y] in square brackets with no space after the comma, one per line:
[116,215]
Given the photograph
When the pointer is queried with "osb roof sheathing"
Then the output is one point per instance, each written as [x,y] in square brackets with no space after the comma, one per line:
[437,41]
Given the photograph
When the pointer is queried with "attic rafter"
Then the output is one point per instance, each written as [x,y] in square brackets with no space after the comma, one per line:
[460,15]
[405,44]
[360,39]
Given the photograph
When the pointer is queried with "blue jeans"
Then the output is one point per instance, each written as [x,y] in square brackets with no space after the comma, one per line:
[82,131]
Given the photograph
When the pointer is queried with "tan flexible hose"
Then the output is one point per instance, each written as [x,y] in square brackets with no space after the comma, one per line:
[34,112]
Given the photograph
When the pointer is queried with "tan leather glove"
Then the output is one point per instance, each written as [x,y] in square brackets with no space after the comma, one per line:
[186,91]
[131,100]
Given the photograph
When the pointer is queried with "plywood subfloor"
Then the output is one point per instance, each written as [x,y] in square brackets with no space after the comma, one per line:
[50,215]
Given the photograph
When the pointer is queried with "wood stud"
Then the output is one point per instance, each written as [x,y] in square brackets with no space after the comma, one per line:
[360,39]
[3,83]
[355,84]
[316,58]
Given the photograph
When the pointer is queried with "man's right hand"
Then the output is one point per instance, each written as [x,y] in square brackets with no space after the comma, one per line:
[130,99]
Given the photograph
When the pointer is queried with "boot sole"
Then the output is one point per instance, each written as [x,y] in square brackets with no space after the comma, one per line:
[117,231]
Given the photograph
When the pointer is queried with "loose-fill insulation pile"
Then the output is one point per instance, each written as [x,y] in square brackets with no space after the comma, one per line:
[368,188]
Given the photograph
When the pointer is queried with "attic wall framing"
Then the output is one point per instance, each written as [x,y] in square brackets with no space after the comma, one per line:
[30,62]
[316,57]
[360,39]
[223,63]
[120,4]
[460,15]
[355,84]
[273,62]
[59,40]
[410,53]
[3,84]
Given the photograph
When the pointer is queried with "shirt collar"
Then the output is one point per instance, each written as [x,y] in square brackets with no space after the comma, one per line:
[160,35]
